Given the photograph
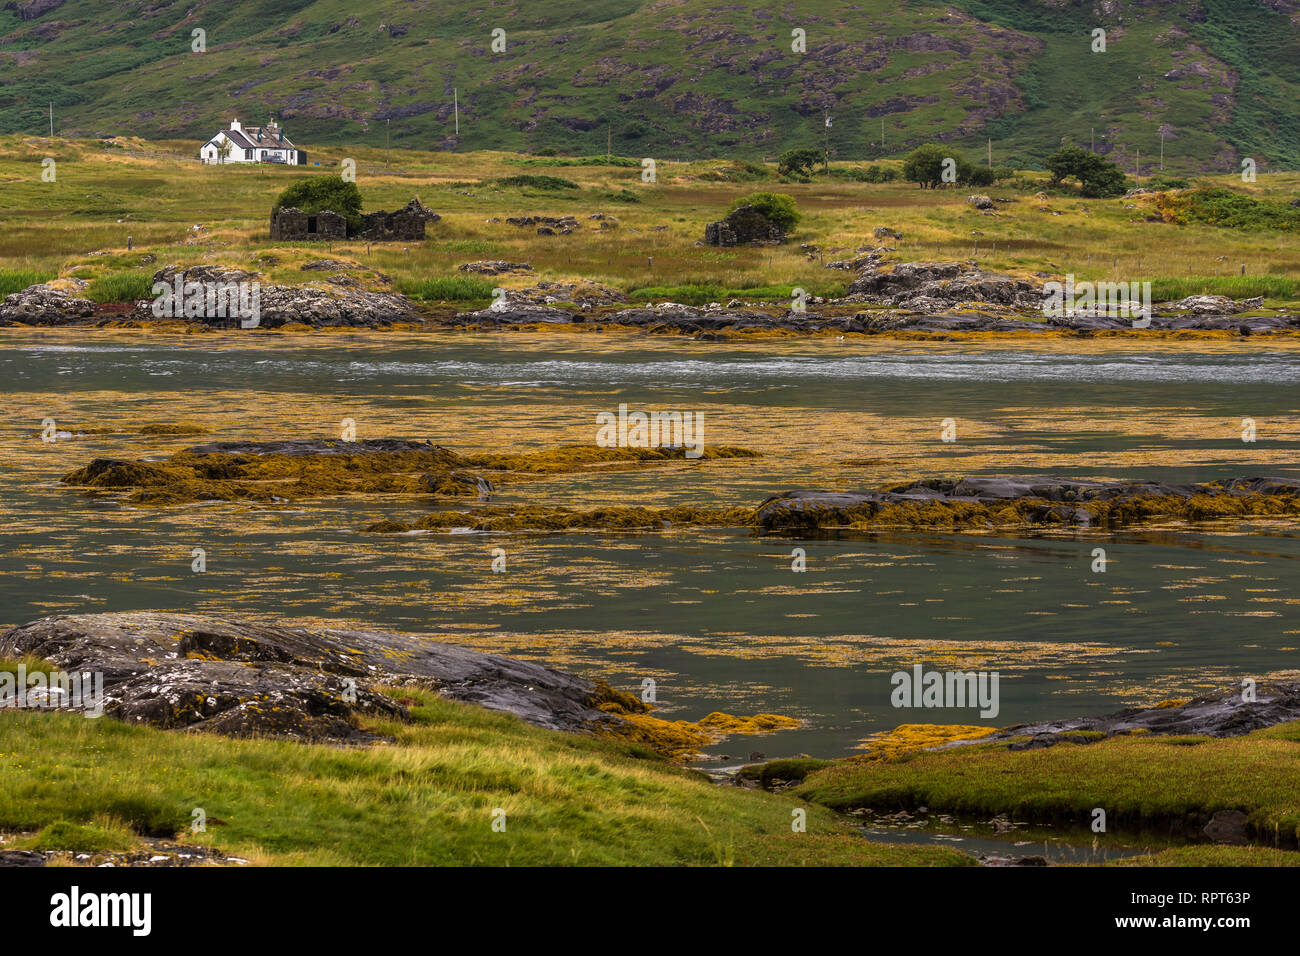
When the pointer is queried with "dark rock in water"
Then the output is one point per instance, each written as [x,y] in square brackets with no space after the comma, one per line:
[1227,826]
[315,446]
[458,484]
[742,226]
[241,678]
[1033,500]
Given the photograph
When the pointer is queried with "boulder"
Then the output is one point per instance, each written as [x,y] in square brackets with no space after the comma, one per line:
[980,202]
[239,678]
[936,286]
[1214,304]
[494,267]
[43,304]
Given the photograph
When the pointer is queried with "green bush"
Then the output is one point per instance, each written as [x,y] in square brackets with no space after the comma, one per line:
[120,287]
[1222,207]
[319,193]
[777,207]
[875,174]
[546,183]
[797,163]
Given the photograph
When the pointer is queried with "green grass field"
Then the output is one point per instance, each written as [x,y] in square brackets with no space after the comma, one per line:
[154,195]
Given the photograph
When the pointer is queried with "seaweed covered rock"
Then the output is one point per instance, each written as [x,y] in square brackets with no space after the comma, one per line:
[286,470]
[999,502]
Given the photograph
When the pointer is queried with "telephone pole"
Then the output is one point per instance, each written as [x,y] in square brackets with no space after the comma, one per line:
[455,96]
[387,154]
[51,119]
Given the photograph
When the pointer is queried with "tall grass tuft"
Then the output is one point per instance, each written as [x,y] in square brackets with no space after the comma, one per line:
[16,280]
[121,287]
[448,289]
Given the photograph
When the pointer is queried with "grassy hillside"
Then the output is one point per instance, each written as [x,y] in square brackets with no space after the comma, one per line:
[425,799]
[673,78]
[155,194]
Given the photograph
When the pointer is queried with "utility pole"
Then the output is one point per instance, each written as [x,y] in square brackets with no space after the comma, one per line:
[1162,151]
[1094,139]
[826,131]
[387,154]
[455,95]
[882,134]
[1137,169]
[990,152]
[609,138]
[51,119]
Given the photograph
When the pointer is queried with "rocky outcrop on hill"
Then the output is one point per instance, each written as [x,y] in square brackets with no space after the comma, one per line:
[240,678]
[1003,502]
[494,267]
[43,304]
[743,226]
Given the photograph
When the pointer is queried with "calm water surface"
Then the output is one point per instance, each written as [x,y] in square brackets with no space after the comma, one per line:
[716,618]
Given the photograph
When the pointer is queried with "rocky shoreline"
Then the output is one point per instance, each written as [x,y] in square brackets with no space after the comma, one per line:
[197,672]
[910,299]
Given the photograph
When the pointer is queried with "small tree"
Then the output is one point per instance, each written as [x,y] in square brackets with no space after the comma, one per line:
[325,192]
[924,165]
[225,149]
[778,207]
[797,163]
[1098,177]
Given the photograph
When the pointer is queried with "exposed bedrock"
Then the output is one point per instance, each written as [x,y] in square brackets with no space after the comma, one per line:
[242,678]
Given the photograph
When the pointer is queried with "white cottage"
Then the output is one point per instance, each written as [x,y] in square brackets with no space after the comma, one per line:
[252,144]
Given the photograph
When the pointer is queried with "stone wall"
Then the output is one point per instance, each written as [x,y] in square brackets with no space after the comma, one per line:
[293,225]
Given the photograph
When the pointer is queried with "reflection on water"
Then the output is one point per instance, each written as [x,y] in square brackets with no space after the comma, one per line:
[716,617]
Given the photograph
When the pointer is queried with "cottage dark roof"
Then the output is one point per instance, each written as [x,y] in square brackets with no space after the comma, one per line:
[246,138]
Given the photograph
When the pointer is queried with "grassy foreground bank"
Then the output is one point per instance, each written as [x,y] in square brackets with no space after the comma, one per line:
[426,798]
[1165,787]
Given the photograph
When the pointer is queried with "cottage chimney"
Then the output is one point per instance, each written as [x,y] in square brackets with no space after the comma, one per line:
[234,124]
